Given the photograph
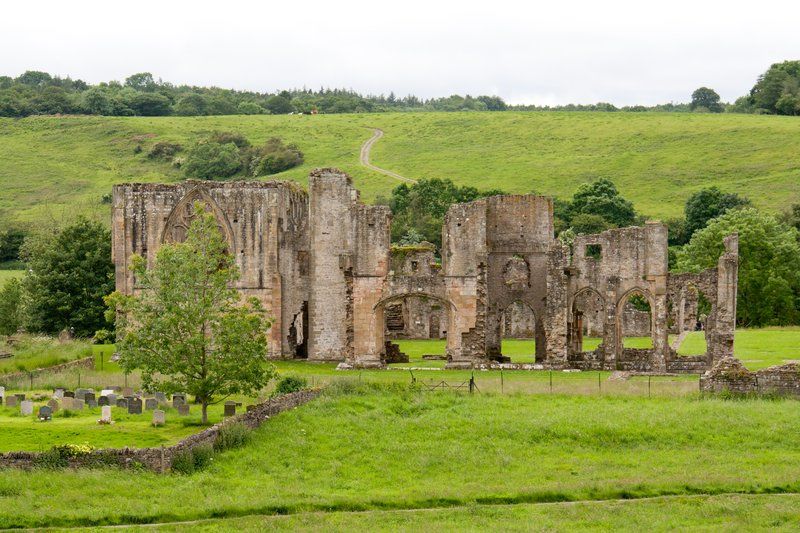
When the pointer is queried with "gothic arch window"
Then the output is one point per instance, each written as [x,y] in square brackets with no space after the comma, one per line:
[182,215]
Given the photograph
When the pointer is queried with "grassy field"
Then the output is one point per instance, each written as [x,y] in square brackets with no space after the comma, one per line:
[6,275]
[32,352]
[57,166]
[372,449]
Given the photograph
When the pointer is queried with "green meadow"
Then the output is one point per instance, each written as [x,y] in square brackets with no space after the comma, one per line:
[388,448]
[656,159]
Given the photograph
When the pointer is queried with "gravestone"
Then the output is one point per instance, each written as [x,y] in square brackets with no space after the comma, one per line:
[80,394]
[53,405]
[183,409]
[89,397]
[58,394]
[77,405]
[69,394]
[91,404]
[161,397]
[230,409]
[26,408]
[150,404]
[105,414]
[112,399]
[135,406]
[127,391]
[67,403]
[159,417]
[106,392]
[122,402]
[103,401]
[20,397]
[2,392]
[11,401]
[45,413]
[178,399]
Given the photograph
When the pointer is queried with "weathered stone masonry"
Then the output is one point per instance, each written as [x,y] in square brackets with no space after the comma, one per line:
[322,263]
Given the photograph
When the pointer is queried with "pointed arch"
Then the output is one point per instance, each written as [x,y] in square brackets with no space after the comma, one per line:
[181,216]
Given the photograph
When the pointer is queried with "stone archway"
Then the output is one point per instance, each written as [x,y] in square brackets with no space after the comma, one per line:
[183,214]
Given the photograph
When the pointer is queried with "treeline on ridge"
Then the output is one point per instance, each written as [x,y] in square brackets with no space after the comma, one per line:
[777,91]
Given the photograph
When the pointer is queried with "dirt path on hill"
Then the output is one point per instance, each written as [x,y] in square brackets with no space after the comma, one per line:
[365,149]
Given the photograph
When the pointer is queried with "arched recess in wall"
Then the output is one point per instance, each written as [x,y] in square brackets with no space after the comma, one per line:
[415,315]
[520,330]
[635,319]
[693,314]
[180,218]
[588,320]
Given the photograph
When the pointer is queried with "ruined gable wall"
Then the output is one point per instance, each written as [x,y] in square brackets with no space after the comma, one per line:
[263,222]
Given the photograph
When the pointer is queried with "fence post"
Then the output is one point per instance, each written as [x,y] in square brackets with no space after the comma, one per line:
[648,385]
[79,379]
[599,387]
[551,381]
[502,384]
[472,382]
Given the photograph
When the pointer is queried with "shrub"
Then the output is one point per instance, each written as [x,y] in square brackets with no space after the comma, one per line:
[232,436]
[212,160]
[225,137]
[273,157]
[164,150]
[290,384]
[59,456]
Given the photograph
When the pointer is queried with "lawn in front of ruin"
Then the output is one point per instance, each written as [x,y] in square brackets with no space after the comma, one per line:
[383,447]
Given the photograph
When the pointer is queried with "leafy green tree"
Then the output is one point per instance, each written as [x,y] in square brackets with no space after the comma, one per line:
[791,217]
[11,239]
[422,206]
[279,105]
[707,204]
[95,101]
[601,198]
[780,83]
[189,329]
[769,264]
[142,81]
[70,272]
[10,307]
[150,104]
[274,157]
[589,224]
[213,161]
[706,98]
[249,108]
[51,101]
[35,78]
[191,105]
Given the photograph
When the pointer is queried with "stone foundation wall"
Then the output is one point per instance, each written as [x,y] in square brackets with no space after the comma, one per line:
[730,375]
[160,459]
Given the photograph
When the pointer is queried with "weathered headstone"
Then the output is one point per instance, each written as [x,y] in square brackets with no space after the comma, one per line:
[183,409]
[178,399]
[230,409]
[26,408]
[89,397]
[53,405]
[102,401]
[58,394]
[69,394]
[122,402]
[150,404]
[11,401]
[67,403]
[77,405]
[2,392]
[105,414]
[106,391]
[135,406]
[161,397]
[112,399]
[80,394]
[45,413]
[159,417]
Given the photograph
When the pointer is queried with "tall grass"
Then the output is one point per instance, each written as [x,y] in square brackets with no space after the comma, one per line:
[33,352]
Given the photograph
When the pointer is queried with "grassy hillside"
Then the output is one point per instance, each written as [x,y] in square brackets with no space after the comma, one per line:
[56,166]
[383,450]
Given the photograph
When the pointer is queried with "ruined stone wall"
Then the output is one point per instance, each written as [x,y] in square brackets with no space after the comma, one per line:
[730,375]
[264,224]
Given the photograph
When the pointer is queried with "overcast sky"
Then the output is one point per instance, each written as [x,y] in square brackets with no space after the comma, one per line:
[555,52]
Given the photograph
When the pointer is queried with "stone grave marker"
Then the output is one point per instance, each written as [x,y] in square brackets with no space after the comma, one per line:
[178,399]
[78,405]
[230,409]
[103,401]
[135,406]
[80,394]
[20,397]
[150,404]
[90,397]
[106,391]
[26,408]
[11,401]
[2,392]
[58,394]
[122,402]
[161,397]
[159,417]
[91,404]
[45,413]
[53,405]
[112,399]
[67,403]
[69,394]
[183,409]
[105,414]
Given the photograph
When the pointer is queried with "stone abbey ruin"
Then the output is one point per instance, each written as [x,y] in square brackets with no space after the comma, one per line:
[323,265]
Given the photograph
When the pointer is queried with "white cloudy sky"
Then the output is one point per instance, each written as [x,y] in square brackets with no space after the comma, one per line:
[624,52]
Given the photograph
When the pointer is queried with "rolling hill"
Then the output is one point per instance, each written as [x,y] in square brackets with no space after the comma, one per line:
[59,166]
